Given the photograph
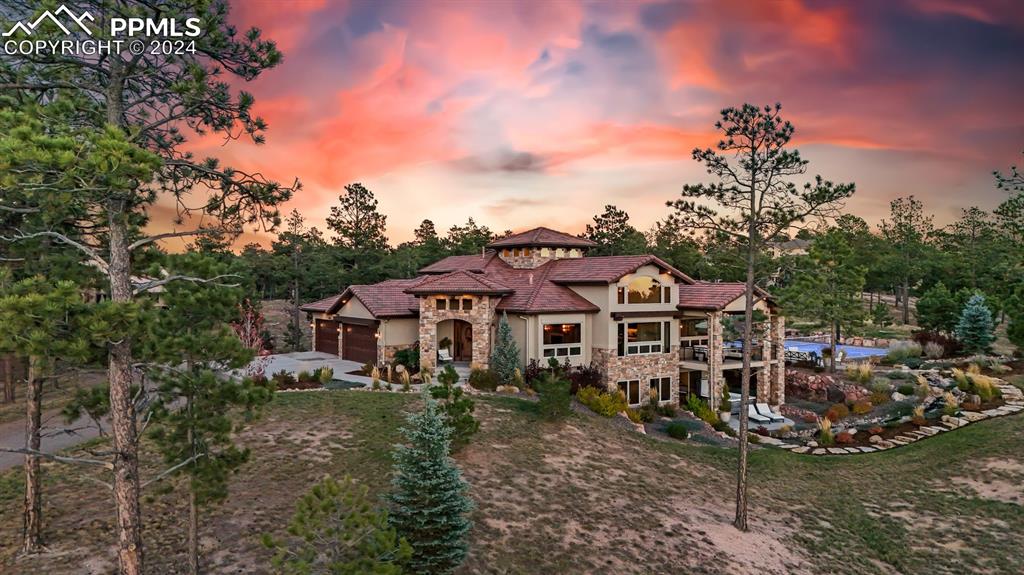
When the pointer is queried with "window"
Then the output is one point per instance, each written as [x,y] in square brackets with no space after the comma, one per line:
[442,304]
[662,387]
[667,297]
[559,253]
[545,252]
[467,304]
[563,340]
[644,289]
[453,304]
[693,328]
[526,252]
[574,253]
[631,389]
[506,252]
[643,337]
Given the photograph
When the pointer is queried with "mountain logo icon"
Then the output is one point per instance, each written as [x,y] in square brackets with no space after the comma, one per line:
[27,28]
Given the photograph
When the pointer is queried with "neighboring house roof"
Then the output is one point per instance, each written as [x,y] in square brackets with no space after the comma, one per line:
[543,237]
[322,306]
[714,296]
[472,263]
[608,269]
[793,244]
[458,282]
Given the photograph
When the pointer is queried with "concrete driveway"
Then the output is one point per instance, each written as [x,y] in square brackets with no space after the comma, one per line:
[12,435]
[310,360]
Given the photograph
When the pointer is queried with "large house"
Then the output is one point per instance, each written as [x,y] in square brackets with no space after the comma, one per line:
[643,323]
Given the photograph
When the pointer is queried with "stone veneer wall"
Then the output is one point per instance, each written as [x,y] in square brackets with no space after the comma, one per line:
[777,394]
[643,367]
[480,317]
[531,261]
[386,353]
[716,357]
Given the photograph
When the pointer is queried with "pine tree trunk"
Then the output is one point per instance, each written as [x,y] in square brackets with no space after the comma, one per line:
[33,495]
[122,411]
[193,509]
[122,408]
[906,301]
[9,394]
[832,347]
[748,329]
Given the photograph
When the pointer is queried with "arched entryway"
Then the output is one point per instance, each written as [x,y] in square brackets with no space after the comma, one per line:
[459,336]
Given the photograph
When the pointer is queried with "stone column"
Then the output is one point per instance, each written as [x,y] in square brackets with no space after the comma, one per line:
[716,356]
[481,318]
[764,375]
[428,334]
[777,394]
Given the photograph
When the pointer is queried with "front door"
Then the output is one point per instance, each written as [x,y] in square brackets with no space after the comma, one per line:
[463,344]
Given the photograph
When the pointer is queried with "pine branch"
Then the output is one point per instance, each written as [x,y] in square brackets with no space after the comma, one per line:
[146,286]
[94,256]
[59,458]
[171,470]
[155,238]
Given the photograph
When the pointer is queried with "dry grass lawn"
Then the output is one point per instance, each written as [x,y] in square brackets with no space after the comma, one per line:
[585,496]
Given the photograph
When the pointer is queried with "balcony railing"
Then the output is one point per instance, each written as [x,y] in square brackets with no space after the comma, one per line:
[734,352]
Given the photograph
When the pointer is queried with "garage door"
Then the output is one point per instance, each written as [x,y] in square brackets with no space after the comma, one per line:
[327,336]
[358,343]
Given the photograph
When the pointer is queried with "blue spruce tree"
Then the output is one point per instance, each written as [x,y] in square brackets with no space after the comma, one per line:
[975,328]
[429,502]
[505,358]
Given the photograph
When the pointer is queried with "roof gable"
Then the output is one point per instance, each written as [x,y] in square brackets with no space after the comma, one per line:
[458,282]
[472,263]
[542,237]
[714,296]
[608,269]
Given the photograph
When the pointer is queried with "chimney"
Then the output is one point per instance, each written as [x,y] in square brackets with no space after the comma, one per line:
[531,278]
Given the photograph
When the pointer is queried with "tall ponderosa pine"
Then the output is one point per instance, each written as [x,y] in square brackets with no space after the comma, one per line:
[614,235]
[197,408]
[752,202]
[141,102]
[906,233]
[428,501]
[505,357]
[976,330]
[44,322]
[828,287]
[937,309]
[356,222]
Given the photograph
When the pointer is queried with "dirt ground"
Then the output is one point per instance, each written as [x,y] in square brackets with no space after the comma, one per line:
[583,496]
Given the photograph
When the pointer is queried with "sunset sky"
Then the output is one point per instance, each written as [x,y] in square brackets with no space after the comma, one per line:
[522,114]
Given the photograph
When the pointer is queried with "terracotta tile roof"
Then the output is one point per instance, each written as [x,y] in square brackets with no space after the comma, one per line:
[323,305]
[542,237]
[535,293]
[388,298]
[470,263]
[459,282]
[707,295]
[607,269]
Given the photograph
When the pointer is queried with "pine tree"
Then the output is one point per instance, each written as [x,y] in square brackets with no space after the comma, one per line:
[614,235]
[457,407]
[429,502]
[975,328]
[336,530]
[196,408]
[42,321]
[505,357]
[937,309]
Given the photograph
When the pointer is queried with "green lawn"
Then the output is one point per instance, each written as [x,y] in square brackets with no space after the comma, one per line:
[589,496]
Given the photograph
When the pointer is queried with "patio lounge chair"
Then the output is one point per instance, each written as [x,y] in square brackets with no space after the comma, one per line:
[766,411]
[757,417]
[444,356]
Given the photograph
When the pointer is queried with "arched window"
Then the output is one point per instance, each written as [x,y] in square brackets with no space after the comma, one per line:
[644,289]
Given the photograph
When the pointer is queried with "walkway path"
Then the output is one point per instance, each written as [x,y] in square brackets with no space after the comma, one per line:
[12,436]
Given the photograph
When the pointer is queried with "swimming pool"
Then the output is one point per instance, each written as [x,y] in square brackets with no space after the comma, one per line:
[851,351]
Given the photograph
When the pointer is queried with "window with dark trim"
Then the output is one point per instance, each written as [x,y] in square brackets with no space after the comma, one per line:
[442,304]
[662,387]
[562,340]
[622,339]
[645,337]
[467,304]
[631,389]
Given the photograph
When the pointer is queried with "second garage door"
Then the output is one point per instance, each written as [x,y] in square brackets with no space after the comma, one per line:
[358,343]
[327,336]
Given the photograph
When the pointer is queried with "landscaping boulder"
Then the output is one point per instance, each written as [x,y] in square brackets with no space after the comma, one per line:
[875,439]
[845,393]
[809,386]
[897,396]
